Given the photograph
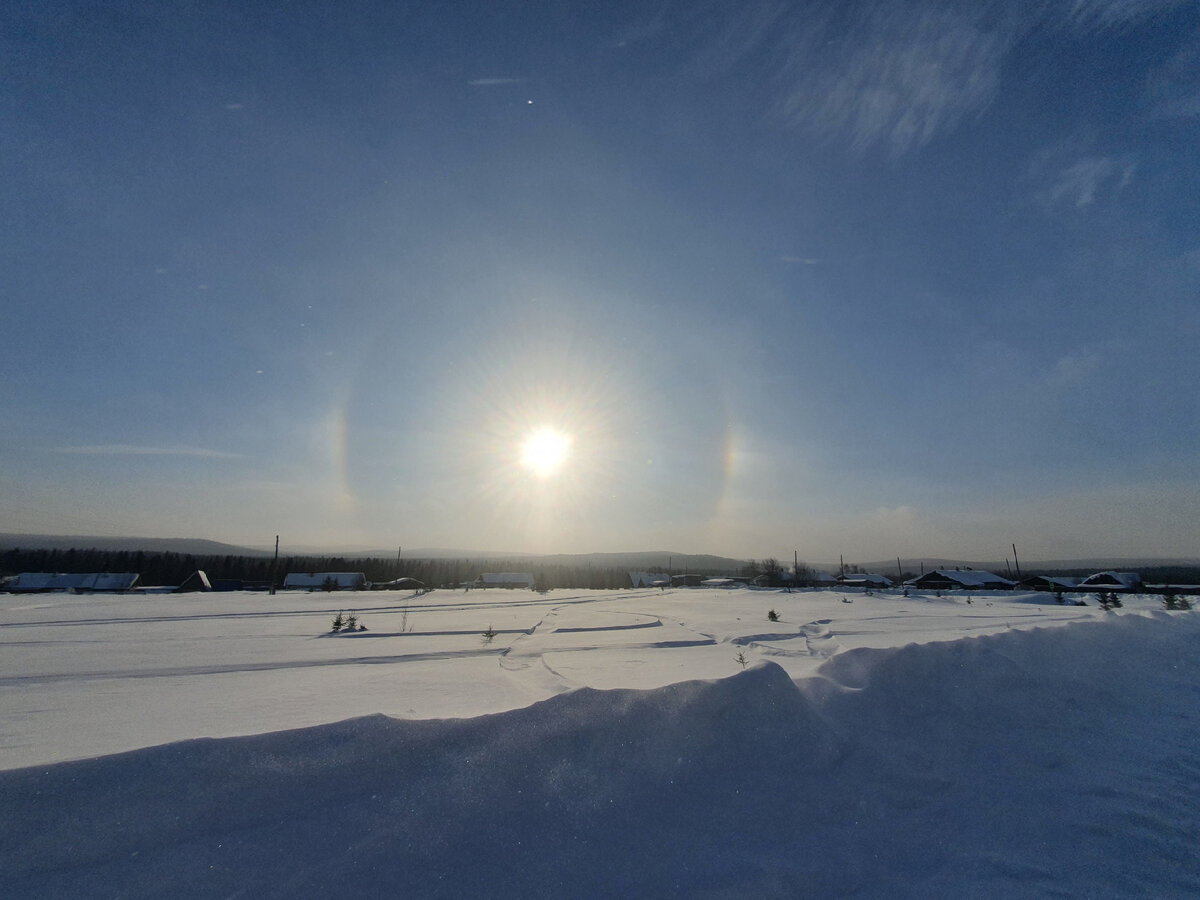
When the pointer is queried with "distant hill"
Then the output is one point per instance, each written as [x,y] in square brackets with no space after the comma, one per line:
[419,553]
[639,560]
[642,560]
[634,559]
[193,546]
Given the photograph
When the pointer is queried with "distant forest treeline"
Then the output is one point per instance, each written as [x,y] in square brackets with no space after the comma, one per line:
[160,568]
[168,568]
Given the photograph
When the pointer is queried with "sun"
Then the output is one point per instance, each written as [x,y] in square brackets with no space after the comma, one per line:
[545,451]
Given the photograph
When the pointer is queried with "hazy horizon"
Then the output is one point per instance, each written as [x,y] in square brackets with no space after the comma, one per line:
[1029,564]
[758,276]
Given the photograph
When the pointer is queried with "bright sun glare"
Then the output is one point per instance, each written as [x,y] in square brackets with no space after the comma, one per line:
[545,451]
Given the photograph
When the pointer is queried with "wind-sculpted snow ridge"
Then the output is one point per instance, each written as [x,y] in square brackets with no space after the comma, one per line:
[1051,762]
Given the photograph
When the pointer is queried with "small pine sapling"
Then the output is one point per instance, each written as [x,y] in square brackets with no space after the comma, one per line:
[741,660]
[1172,600]
[772,616]
[352,622]
[338,622]
[489,635]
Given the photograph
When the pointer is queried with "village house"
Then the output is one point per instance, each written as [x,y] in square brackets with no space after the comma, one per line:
[960,580]
[1113,581]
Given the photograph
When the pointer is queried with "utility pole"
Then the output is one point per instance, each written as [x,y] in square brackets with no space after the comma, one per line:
[398,572]
[275,565]
[1017,561]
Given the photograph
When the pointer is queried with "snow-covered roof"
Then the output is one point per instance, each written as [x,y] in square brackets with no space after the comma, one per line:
[110,581]
[59,581]
[968,578]
[648,579]
[865,578]
[45,581]
[1114,579]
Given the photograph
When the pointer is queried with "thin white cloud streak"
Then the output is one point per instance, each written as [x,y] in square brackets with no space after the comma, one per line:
[136,450]
[1081,182]
[495,82]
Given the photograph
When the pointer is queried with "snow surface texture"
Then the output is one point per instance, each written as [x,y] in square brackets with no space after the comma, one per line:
[1029,762]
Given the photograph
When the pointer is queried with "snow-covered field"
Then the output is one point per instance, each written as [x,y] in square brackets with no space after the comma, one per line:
[602,743]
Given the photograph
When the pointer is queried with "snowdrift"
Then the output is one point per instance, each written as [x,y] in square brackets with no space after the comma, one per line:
[1060,761]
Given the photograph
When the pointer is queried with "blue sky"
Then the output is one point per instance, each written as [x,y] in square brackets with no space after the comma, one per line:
[913,279]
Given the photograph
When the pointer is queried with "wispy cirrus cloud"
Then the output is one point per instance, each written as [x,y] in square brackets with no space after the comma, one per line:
[904,76]
[1080,182]
[894,74]
[1109,13]
[138,450]
[495,82]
